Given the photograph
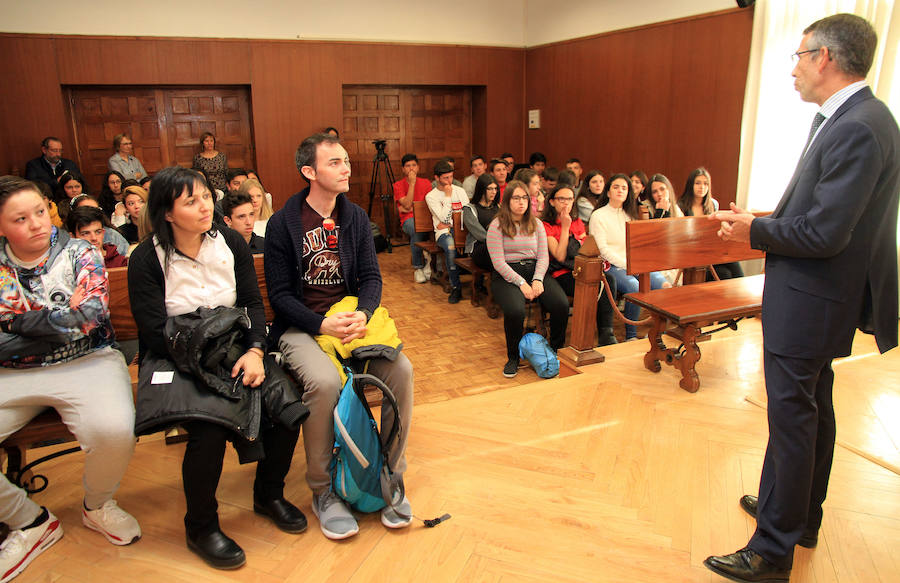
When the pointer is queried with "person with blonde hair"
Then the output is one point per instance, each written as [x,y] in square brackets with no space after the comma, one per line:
[134,200]
[262,205]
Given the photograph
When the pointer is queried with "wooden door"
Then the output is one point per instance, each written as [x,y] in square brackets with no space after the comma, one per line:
[165,125]
[431,122]
[223,112]
[101,114]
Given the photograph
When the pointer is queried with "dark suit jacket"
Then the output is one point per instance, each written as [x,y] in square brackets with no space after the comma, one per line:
[39,169]
[831,262]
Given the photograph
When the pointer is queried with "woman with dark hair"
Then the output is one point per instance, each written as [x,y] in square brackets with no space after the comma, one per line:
[589,195]
[697,200]
[184,265]
[477,216]
[517,245]
[618,205]
[639,185]
[660,203]
[211,161]
[68,189]
[565,234]
[111,194]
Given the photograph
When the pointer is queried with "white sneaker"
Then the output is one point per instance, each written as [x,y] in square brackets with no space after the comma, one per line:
[419,276]
[24,545]
[119,527]
[427,268]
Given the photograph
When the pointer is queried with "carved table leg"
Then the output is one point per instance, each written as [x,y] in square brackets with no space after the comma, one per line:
[657,346]
[690,380]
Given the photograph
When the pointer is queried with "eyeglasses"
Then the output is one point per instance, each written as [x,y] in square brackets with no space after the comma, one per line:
[796,56]
[518,198]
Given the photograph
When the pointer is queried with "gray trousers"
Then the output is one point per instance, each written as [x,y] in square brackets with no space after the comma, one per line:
[92,395]
[321,388]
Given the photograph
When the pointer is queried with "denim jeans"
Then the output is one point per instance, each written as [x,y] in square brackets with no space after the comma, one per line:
[418,258]
[627,284]
[446,243]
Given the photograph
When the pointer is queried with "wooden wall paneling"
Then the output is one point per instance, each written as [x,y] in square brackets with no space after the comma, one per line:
[32,106]
[225,112]
[203,62]
[668,98]
[107,61]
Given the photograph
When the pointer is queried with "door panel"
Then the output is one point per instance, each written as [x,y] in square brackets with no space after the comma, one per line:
[165,125]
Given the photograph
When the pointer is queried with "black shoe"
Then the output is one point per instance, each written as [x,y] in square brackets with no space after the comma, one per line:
[455,295]
[606,337]
[511,369]
[217,550]
[285,515]
[747,566]
[808,540]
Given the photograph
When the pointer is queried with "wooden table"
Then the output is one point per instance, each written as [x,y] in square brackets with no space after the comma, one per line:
[682,312]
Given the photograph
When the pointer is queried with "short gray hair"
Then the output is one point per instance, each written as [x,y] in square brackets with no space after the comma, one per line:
[850,39]
[306,152]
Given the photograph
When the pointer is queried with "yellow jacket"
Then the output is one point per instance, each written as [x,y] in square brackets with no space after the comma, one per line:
[381,339]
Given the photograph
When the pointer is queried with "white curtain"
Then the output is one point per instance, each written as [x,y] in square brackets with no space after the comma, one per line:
[776,122]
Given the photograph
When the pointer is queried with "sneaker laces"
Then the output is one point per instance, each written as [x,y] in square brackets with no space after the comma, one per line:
[327,499]
[110,512]
[15,540]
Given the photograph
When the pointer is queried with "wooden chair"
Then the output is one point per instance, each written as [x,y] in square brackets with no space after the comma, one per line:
[424,224]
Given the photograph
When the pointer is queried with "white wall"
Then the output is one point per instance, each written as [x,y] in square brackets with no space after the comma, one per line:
[548,21]
[468,22]
[373,20]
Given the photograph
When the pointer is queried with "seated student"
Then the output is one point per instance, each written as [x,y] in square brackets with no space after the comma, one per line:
[135,198]
[145,183]
[305,282]
[452,162]
[240,216]
[639,185]
[479,167]
[573,165]
[47,194]
[697,200]
[184,265]
[618,205]
[408,190]
[532,181]
[499,170]
[111,196]
[517,244]
[477,215]
[566,177]
[261,204]
[549,179]
[234,177]
[537,162]
[565,234]
[660,204]
[110,235]
[69,187]
[54,333]
[443,201]
[89,223]
[510,162]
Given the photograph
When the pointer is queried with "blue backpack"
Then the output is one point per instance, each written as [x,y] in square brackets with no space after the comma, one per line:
[360,473]
[535,349]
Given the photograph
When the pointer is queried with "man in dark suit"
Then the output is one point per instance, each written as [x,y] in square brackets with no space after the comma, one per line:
[50,165]
[831,266]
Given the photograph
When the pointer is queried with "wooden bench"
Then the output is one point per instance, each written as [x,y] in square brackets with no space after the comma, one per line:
[691,244]
[478,274]
[47,428]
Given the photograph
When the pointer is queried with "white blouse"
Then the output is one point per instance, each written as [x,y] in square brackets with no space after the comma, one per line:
[206,281]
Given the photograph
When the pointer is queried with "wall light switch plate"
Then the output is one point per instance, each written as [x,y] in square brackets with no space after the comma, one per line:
[534,119]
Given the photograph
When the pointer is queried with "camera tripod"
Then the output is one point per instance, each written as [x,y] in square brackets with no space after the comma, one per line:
[386,196]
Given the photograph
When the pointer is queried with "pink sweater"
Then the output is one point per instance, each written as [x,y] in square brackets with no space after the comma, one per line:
[504,251]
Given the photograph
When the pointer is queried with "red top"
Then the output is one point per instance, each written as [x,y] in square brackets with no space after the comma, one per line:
[401,187]
[576,229]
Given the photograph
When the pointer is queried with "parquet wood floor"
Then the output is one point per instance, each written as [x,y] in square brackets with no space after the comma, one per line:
[613,475]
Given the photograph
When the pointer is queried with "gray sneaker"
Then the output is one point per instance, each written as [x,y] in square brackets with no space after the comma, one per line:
[391,519]
[335,519]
